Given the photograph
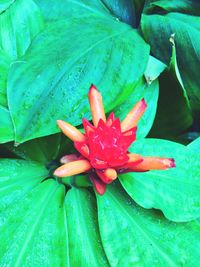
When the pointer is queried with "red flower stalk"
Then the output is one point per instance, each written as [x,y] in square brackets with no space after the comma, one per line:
[103,148]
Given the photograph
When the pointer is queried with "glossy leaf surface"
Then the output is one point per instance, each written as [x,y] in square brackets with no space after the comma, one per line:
[173,113]
[84,239]
[174,191]
[4,67]
[182,6]
[16,178]
[195,145]
[133,236]
[4,4]
[33,231]
[56,10]
[55,85]
[186,38]
[18,25]
[43,150]
[6,126]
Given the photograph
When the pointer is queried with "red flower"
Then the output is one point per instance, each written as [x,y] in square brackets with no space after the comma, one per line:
[103,148]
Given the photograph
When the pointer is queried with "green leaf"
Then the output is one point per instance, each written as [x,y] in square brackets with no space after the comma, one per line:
[6,126]
[43,149]
[157,31]
[4,67]
[84,239]
[132,236]
[33,229]
[154,68]
[195,145]
[176,192]
[183,6]
[17,177]
[173,113]
[193,21]
[124,10]
[56,10]
[47,88]
[18,25]
[150,94]
[4,4]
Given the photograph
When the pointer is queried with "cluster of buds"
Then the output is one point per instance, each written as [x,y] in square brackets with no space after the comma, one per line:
[103,148]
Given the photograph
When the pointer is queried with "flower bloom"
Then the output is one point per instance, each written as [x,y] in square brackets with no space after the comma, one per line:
[103,148]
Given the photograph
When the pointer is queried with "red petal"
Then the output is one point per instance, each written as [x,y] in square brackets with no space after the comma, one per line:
[88,127]
[98,164]
[117,125]
[110,119]
[99,186]
[82,148]
[129,136]
[101,125]
[119,161]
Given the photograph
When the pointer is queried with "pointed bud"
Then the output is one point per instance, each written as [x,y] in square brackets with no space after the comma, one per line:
[70,131]
[96,105]
[73,168]
[99,186]
[154,163]
[134,115]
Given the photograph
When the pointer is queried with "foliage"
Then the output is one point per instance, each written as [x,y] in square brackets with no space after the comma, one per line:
[50,53]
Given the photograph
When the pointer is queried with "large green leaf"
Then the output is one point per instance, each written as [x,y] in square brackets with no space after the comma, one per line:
[43,149]
[150,93]
[124,10]
[173,113]
[132,236]
[55,10]
[183,6]
[33,229]
[193,21]
[18,25]
[84,239]
[4,67]
[16,178]
[55,85]
[157,31]
[6,126]
[195,145]
[4,4]
[174,191]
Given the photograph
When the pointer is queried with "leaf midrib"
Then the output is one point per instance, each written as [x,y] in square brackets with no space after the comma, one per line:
[59,76]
